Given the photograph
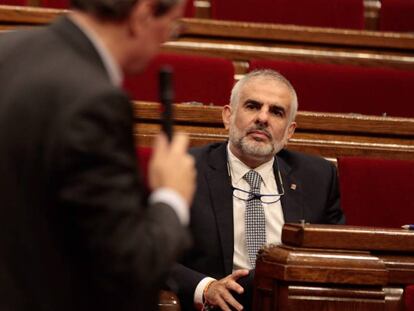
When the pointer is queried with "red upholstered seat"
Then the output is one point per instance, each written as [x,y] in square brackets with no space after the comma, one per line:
[396,15]
[321,13]
[196,78]
[189,9]
[409,298]
[58,4]
[377,192]
[65,4]
[348,88]
[143,156]
[13,2]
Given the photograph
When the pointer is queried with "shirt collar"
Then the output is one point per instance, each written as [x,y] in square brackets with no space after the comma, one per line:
[111,66]
[238,169]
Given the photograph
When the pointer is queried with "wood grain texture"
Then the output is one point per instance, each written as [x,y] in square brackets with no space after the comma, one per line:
[324,134]
[328,268]
[348,237]
[240,41]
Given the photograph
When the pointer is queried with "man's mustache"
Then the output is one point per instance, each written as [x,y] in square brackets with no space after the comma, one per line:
[259,127]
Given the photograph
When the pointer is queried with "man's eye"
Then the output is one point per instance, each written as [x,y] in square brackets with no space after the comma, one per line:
[252,105]
[278,112]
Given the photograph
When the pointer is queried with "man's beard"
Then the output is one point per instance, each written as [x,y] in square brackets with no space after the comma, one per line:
[251,147]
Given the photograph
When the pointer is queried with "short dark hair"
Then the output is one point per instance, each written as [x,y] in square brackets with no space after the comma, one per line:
[118,9]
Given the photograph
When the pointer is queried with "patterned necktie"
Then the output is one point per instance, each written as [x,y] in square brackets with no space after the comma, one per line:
[255,221]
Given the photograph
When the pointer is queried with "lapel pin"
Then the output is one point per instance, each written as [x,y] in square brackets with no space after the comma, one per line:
[293,186]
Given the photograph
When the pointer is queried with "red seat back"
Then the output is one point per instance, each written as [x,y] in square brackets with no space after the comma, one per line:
[189,9]
[195,78]
[347,88]
[58,4]
[143,157]
[377,192]
[396,15]
[409,298]
[321,13]
[13,2]
[65,4]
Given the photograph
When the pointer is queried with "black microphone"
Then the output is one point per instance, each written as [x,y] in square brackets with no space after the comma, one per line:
[166,98]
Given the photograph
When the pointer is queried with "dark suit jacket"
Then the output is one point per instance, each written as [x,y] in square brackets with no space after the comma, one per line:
[75,232]
[315,199]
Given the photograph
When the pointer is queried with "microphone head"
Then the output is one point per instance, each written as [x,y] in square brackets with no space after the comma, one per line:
[165,84]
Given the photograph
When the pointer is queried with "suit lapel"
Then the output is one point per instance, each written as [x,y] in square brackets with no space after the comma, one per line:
[292,202]
[222,200]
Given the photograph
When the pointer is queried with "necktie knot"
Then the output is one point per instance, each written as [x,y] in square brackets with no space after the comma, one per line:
[254,180]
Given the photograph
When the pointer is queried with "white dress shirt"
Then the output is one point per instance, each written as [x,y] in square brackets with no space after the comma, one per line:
[273,214]
[273,211]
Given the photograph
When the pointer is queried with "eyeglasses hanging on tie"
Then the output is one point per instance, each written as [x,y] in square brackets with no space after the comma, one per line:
[264,198]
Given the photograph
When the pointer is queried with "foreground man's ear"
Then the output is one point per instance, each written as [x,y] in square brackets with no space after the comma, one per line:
[141,14]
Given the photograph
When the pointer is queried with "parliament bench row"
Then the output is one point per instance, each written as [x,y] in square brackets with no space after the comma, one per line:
[384,15]
[240,41]
[320,87]
[324,134]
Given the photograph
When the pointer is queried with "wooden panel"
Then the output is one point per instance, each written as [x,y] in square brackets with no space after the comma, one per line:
[297,34]
[348,237]
[28,15]
[324,134]
[322,280]
[314,277]
[243,41]
[168,301]
[321,266]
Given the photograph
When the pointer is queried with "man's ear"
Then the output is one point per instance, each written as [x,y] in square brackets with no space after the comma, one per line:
[291,129]
[141,14]
[226,115]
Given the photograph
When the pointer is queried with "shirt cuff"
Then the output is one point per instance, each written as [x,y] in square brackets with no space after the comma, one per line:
[198,293]
[173,199]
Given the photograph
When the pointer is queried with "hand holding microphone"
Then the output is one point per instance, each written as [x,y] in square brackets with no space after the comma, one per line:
[171,166]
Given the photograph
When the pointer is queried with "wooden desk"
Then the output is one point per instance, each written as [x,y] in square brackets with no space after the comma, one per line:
[324,134]
[326,267]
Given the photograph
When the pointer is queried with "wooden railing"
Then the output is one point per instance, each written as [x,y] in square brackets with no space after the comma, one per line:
[325,134]
[241,41]
[329,267]
[17,16]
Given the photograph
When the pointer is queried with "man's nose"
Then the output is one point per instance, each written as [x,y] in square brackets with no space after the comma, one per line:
[263,115]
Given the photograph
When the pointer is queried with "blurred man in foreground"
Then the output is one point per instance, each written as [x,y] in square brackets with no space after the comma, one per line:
[76,232]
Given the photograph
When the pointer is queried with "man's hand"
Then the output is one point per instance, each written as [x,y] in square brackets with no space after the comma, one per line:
[219,292]
[172,167]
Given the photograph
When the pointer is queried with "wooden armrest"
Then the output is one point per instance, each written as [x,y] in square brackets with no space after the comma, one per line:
[168,301]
